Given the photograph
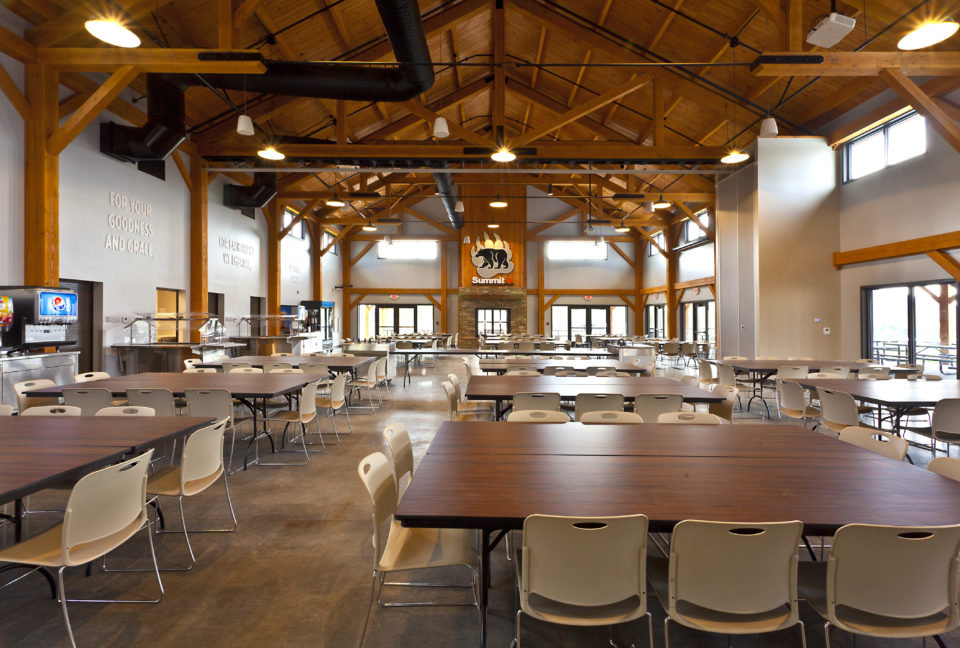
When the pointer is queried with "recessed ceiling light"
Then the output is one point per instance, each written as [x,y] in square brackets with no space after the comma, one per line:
[112,33]
[335,202]
[503,154]
[929,33]
[270,153]
[733,157]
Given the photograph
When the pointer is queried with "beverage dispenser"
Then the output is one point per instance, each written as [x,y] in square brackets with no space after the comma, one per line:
[43,317]
[6,316]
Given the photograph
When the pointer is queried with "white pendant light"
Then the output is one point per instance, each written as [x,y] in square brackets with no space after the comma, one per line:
[498,203]
[334,202]
[369,227]
[661,203]
[466,240]
[768,127]
[734,157]
[270,153]
[112,33]
[440,128]
[245,125]
[929,33]
[600,241]
[621,228]
[503,154]
[387,240]
[458,207]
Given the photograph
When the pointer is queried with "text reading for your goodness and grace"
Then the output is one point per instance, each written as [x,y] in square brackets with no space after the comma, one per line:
[130,231]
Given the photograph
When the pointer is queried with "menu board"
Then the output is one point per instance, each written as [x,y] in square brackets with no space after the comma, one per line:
[6,312]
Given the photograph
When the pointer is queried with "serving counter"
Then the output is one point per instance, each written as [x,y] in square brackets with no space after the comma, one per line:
[60,367]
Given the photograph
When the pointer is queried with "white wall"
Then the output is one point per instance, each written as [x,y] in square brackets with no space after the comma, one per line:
[11,167]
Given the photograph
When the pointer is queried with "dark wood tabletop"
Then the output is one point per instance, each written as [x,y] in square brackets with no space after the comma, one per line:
[334,363]
[643,439]
[240,385]
[103,431]
[584,351]
[503,364]
[892,393]
[504,387]
[811,365]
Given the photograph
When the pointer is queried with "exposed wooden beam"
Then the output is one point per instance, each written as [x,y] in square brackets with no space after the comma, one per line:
[244,11]
[80,83]
[182,168]
[41,202]
[498,46]
[689,213]
[85,114]
[652,241]
[225,24]
[662,27]
[659,118]
[426,219]
[583,109]
[925,105]
[859,64]
[910,247]
[947,262]
[16,47]
[623,255]
[152,60]
[9,87]
[199,248]
[336,239]
[362,253]
[303,213]
[795,25]
[456,129]
[341,125]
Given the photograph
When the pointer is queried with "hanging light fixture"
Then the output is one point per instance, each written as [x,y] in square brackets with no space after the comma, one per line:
[270,153]
[503,154]
[549,189]
[458,207]
[735,155]
[112,32]
[369,227]
[768,127]
[387,240]
[498,202]
[493,225]
[661,203]
[621,228]
[440,128]
[334,202]
[466,240]
[929,33]
[245,125]
[600,241]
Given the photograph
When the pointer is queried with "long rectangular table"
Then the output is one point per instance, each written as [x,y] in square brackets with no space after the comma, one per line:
[502,388]
[491,476]
[409,355]
[502,365]
[338,364]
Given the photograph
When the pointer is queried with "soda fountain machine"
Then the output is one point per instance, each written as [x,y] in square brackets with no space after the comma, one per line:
[41,317]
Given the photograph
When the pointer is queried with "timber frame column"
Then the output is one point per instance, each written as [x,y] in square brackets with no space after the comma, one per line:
[316,240]
[639,254]
[41,198]
[670,239]
[199,287]
[443,287]
[272,214]
[345,261]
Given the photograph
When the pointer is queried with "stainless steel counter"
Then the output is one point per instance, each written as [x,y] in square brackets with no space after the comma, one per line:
[60,367]
[167,356]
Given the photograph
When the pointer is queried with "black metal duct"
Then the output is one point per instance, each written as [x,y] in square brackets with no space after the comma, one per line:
[159,137]
[448,196]
[256,196]
[413,76]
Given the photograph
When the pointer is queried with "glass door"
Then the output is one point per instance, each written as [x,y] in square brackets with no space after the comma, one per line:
[578,322]
[598,321]
[936,327]
[385,321]
[406,320]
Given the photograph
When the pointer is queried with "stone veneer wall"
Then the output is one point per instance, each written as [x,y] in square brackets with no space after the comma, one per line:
[476,297]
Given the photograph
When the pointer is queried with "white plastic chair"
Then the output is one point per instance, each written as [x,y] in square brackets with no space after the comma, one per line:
[245,370]
[887,581]
[305,414]
[200,370]
[516,371]
[730,577]
[695,418]
[105,509]
[90,376]
[946,466]
[792,400]
[51,410]
[218,405]
[126,410]
[536,401]
[877,441]
[25,401]
[537,416]
[584,571]
[453,405]
[6,410]
[336,401]
[368,382]
[190,363]
[401,452]
[597,403]
[161,400]
[611,417]
[269,367]
[705,372]
[90,401]
[464,405]
[841,371]
[724,409]
[838,410]
[650,406]
[786,372]
[226,367]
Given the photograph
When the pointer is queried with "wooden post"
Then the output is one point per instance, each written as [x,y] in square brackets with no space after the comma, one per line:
[199,288]
[274,224]
[541,309]
[316,245]
[345,252]
[670,238]
[443,287]
[639,254]
[41,199]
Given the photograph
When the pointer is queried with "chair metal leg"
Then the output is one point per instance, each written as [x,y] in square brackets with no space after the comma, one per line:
[62,595]
[803,634]
[826,633]
[666,633]
[155,570]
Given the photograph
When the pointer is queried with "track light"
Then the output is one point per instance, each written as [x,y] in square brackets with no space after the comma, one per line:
[440,128]
[549,189]
[734,157]
[110,31]
[245,125]
[929,33]
[503,154]
[270,153]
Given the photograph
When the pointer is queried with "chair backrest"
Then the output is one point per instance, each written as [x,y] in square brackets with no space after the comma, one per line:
[536,401]
[505,346]
[188,363]
[202,459]
[548,346]
[566,373]
[796,371]
[883,443]
[650,406]
[91,376]
[537,416]
[338,390]
[246,370]
[735,567]
[688,348]
[105,506]
[308,401]
[872,375]
[401,449]
[6,410]
[525,346]
[404,344]
[517,371]
[200,370]
[899,572]
[800,358]
[90,401]
[586,561]
[372,372]
[452,400]
[376,473]
[281,355]
[696,418]
[692,381]
[606,373]
[705,370]
[161,400]
[51,410]
[286,370]
[213,403]
[876,369]
[127,410]
[791,395]
[734,357]
[227,366]
[611,417]
[946,416]
[841,371]
[25,401]
[317,368]
[671,348]
[381,366]
[269,367]
[824,374]
[946,466]
[837,407]
[598,403]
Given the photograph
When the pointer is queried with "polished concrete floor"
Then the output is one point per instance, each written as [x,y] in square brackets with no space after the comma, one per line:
[298,570]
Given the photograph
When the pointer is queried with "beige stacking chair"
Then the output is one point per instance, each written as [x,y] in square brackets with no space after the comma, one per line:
[611,417]
[786,372]
[946,466]
[825,374]
[200,370]
[368,382]
[705,371]
[650,406]
[105,509]
[318,369]
[270,367]
[671,350]
[686,418]
[90,376]
[245,370]
[161,400]
[883,443]
[537,416]
[840,371]
[730,577]
[453,403]
[519,371]
[792,399]
[218,405]
[584,571]
[336,402]
[464,405]
[838,410]
[726,375]
[945,424]
[382,378]
[305,414]
[597,403]
[401,451]
[6,410]
[887,581]
[201,465]
[51,410]
[126,410]
[190,363]
[90,401]
[226,367]
[536,401]
[551,370]
[724,409]
[281,355]
[611,373]
[25,401]
[688,352]
[409,548]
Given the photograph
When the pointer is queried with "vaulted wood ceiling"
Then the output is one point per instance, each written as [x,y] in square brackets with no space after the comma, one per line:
[530,61]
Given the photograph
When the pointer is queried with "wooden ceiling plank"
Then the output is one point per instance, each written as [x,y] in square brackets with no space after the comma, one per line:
[244,11]
[923,104]
[446,19]
[498,46]
[795,25]
[225,31]
[662,28]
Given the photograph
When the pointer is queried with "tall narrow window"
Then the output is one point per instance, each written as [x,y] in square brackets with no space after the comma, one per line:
[493,321]
[886,145]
